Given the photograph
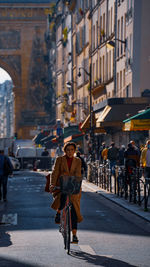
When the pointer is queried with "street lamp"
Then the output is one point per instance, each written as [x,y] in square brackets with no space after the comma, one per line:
[111,43]
[91,108]
[69,83]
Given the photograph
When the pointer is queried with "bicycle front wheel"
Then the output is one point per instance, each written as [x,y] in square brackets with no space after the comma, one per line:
[68,230]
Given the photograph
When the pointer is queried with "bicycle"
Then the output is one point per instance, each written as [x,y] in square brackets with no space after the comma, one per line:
[145,184]
[68,186]
[121,185]
[65,224]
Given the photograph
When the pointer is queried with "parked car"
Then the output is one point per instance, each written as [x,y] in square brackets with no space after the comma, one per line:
[15,163]
[26,152]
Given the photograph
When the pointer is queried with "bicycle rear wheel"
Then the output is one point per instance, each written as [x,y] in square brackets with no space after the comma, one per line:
[68,230]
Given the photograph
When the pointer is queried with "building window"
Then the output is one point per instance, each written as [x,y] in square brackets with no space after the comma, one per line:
[120,80]
[122,35]
[93,37]
[96,69]
[80,38]
[118,36]
[128,90]
[96,33]
[124,32]
[93,72]
[111,21]
[100,29]
[100,68]
[103,30]
[109,71]
[124,78]
[103,68]
[117,81]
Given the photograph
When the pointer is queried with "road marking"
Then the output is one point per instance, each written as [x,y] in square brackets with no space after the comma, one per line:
[87,249]
[89,187]
[107,256]
[9,219]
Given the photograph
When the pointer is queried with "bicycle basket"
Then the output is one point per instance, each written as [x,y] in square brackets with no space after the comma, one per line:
[70,184]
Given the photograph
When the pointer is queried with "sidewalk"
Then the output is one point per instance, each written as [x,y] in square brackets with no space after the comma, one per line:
[134,208]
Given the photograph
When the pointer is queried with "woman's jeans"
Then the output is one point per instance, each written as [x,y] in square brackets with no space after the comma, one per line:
[63,199]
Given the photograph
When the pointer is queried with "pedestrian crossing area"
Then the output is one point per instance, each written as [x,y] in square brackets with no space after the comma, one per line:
[9,219]
[27,188]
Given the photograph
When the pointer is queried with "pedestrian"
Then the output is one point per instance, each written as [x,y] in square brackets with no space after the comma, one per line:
[104,154]
[102,147]
[132,142]
[131,155]
[44,163]
[121,155]
[6,169]
[45,153]
[112,156]
[79,149]
[145,159]
[71,166]
[83,164]
[59,151]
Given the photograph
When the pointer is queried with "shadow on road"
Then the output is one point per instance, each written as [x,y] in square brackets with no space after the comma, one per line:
[103,261]
[12,263]
[27,199]
[5,240]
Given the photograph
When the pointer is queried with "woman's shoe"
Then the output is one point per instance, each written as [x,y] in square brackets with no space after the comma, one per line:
[75,239]
[57,218]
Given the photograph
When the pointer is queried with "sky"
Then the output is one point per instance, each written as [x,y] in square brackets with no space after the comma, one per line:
[4,76]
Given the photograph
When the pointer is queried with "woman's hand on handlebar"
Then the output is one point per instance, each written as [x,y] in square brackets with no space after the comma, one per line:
[51,188]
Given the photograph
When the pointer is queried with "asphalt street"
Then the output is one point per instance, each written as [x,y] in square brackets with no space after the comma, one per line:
[108,236]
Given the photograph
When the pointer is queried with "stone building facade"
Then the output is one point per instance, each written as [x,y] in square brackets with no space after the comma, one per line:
[112,36]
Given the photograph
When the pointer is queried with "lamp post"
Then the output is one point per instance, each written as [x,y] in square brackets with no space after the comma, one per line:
[91,109]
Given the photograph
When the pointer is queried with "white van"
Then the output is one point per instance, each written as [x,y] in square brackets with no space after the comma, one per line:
[25,152]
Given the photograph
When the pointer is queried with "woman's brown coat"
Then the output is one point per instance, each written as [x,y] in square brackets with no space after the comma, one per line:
[61,168]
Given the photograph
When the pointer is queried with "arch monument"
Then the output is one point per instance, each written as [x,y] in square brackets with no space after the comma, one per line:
[23,55]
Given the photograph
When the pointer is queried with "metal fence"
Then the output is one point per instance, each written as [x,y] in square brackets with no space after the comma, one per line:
[42,163]
[127,183]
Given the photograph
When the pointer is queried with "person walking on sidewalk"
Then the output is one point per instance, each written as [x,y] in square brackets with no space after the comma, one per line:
[131,155]
[121,155]
[83,164]
[112,156]
[45,153]
[104,154]
[145,159]
[6,169]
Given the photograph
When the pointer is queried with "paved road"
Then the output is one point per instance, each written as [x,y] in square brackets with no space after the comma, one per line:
[109,235]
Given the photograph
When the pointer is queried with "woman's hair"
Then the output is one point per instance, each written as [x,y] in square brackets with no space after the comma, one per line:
[69,144]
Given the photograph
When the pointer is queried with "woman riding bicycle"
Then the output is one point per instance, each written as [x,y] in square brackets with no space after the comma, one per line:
[71,166]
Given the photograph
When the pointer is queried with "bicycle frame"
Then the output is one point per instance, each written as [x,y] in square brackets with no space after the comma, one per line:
[65,224]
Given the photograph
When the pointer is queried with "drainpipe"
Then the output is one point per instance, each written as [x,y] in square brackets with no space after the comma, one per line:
[115,51]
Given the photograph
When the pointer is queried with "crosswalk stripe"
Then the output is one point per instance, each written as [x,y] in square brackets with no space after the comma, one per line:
[9,219]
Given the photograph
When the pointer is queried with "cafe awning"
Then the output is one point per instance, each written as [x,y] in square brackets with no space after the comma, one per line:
[74,138]
[139,122]
[112,116]
[86,124]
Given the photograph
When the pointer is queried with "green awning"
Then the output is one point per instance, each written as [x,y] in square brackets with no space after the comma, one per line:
[144,115]
[139,122]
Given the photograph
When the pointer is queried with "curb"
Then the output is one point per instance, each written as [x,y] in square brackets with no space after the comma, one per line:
[112,197]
